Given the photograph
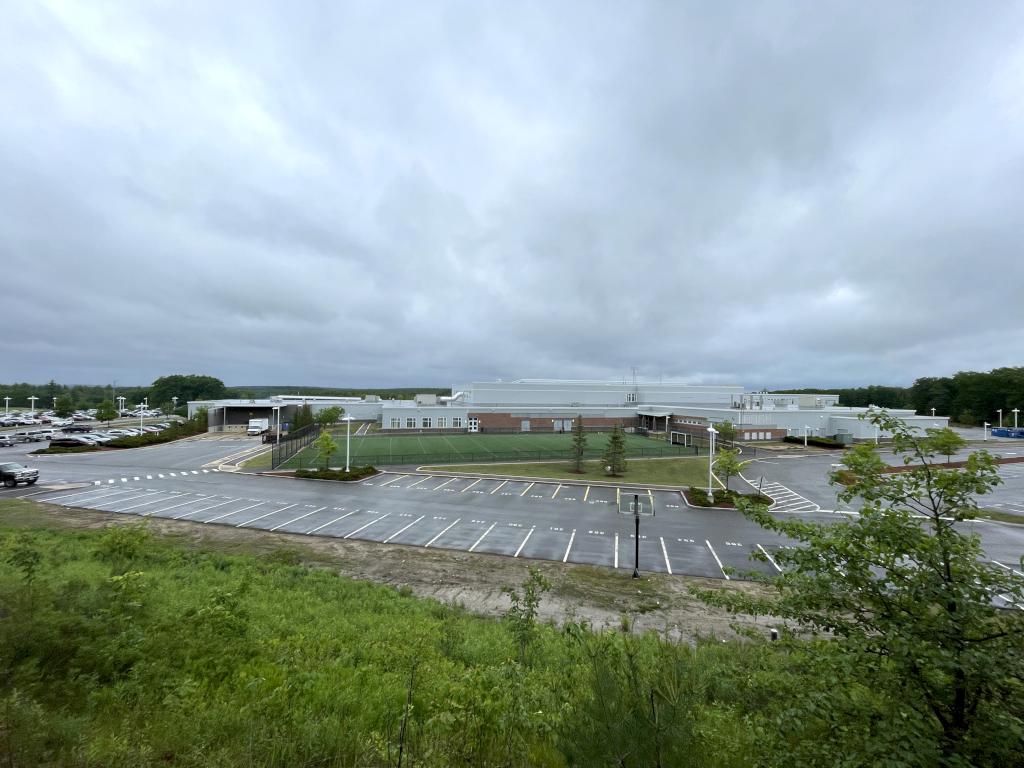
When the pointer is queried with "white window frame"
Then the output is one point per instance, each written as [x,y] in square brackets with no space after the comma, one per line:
[410,422]
[396,422]
[456,422]
[425,422]
[442,422]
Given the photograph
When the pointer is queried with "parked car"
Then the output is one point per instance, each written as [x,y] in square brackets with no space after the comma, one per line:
[70,441]
[12,474]
[77,428]
[7,439]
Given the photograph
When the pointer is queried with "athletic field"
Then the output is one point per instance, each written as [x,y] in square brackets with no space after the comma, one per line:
[380,450]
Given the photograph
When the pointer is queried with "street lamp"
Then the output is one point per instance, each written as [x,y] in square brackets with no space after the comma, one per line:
[636,538]
[806,430]
[711,460]
[55,402]
[277,431]
[120,403]
[32,400]
[348,438]
[7,405]
[1015,411]
[142,408]
[1000,412]
[933,413]
[984,429]
[174,402]
[876,434]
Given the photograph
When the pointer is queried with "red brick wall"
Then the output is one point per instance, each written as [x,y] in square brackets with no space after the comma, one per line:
[509,421]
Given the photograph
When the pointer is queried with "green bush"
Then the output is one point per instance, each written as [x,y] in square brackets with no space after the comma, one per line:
[355,473]
[190,428]
[698,497]
[67,449]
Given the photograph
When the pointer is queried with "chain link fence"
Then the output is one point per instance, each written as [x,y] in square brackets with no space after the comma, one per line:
[292,443]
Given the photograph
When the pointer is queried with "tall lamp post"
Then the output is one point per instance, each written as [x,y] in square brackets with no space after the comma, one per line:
[1000,412]
[807,429]
[277,431]
[636,537]
[711,460]
[142,407]
[1015,411]
[120,403]
[348,438]
[32,400]
[984,429]
[933,413]
[174,402]
[7,405]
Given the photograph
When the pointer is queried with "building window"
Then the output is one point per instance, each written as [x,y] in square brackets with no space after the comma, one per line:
[395,422]
[426,422]
[631,397]
[410,423]
[457,422]
[442,422]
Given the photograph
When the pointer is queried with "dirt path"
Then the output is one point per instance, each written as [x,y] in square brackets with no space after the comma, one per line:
[600,596]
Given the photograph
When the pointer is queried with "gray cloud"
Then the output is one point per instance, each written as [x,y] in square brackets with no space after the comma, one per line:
[420,193]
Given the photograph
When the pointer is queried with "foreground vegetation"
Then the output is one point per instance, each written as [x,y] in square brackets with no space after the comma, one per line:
[122,648]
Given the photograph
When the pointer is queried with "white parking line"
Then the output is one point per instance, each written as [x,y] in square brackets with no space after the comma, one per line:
[482,536]
[239,525]
[503,482]
[388,482]
[442,485]
[715,555]
[556,491]
[203,509]
[664,552]
[339,517]
[136,506]
[363,527]
[529,533]
[526,489]
[174,506]
[571,539]
[421,480]
[410,525]
[616,549]
[129,498]
[295,520]
[471,485]
[586,493]
[86,493]
[440,534]
[770,558]
[1012,570]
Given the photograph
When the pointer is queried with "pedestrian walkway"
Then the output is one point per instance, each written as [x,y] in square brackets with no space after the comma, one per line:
[787,500]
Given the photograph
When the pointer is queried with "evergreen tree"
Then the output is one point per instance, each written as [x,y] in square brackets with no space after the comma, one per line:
[614,457]
[65,406]
[579,444]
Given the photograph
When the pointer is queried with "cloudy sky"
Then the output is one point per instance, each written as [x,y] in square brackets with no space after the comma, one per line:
[423,193]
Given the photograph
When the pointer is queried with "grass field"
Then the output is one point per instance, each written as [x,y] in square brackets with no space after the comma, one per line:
[382,449]
[684,471]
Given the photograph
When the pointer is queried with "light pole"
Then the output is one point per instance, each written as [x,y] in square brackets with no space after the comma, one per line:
[7,405]
[120,403]
[711,460]
[1015,411]
[277,431]
[876,434]
[32,400]
[636,538]
[984,429]
[174,402]
[55,402]
[142,407]
[807,429]
[348,438]
[933,413]
[1000,412]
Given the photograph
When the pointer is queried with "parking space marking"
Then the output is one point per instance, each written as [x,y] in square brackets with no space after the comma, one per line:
[410,525]
[522,544]
[243,509]
[136,506]
[1012,570]
[586,493]
[664,553]
[471,485]
[441,534]
[571,539]
[421,480]
[553,495]
[239,525]
[616,551]
[503,482]
[442,485]
[387,482]
[86,493]
[482,536]
[129,498]
[295,520]
[715,555]
[203,509]
[526,489]
[364,527]
[770,558]
[165,509]
[339,517]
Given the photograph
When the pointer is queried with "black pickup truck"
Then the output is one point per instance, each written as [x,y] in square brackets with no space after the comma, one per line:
[12,474]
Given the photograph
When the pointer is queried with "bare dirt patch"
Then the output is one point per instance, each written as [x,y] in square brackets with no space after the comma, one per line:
[599,596]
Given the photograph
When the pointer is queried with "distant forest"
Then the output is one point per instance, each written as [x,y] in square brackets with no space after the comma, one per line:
[967,397]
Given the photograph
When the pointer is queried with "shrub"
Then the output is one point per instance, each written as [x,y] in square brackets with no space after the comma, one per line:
[67,449]
[356,473]
[698,497]
[820,442]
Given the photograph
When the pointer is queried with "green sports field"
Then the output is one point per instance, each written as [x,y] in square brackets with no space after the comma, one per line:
[382,449]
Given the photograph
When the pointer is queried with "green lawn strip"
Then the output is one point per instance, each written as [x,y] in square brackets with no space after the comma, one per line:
[259,461]
[673,471]
[1003,517]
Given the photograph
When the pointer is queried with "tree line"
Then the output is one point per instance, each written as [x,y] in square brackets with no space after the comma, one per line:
[967,397]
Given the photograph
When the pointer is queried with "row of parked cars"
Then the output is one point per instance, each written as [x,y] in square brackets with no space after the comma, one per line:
[105,436]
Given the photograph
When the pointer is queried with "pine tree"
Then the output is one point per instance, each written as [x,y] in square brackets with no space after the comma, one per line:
[579,444]
[614,457]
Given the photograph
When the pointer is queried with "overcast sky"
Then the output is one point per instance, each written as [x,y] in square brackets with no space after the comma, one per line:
[425,193]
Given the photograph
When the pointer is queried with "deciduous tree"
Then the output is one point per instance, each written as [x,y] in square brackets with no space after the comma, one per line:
[65,406]
[944,441]
[727,465]
[106,411]
[325,448]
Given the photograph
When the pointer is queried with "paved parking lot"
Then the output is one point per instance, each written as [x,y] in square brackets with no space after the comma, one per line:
[519,519]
